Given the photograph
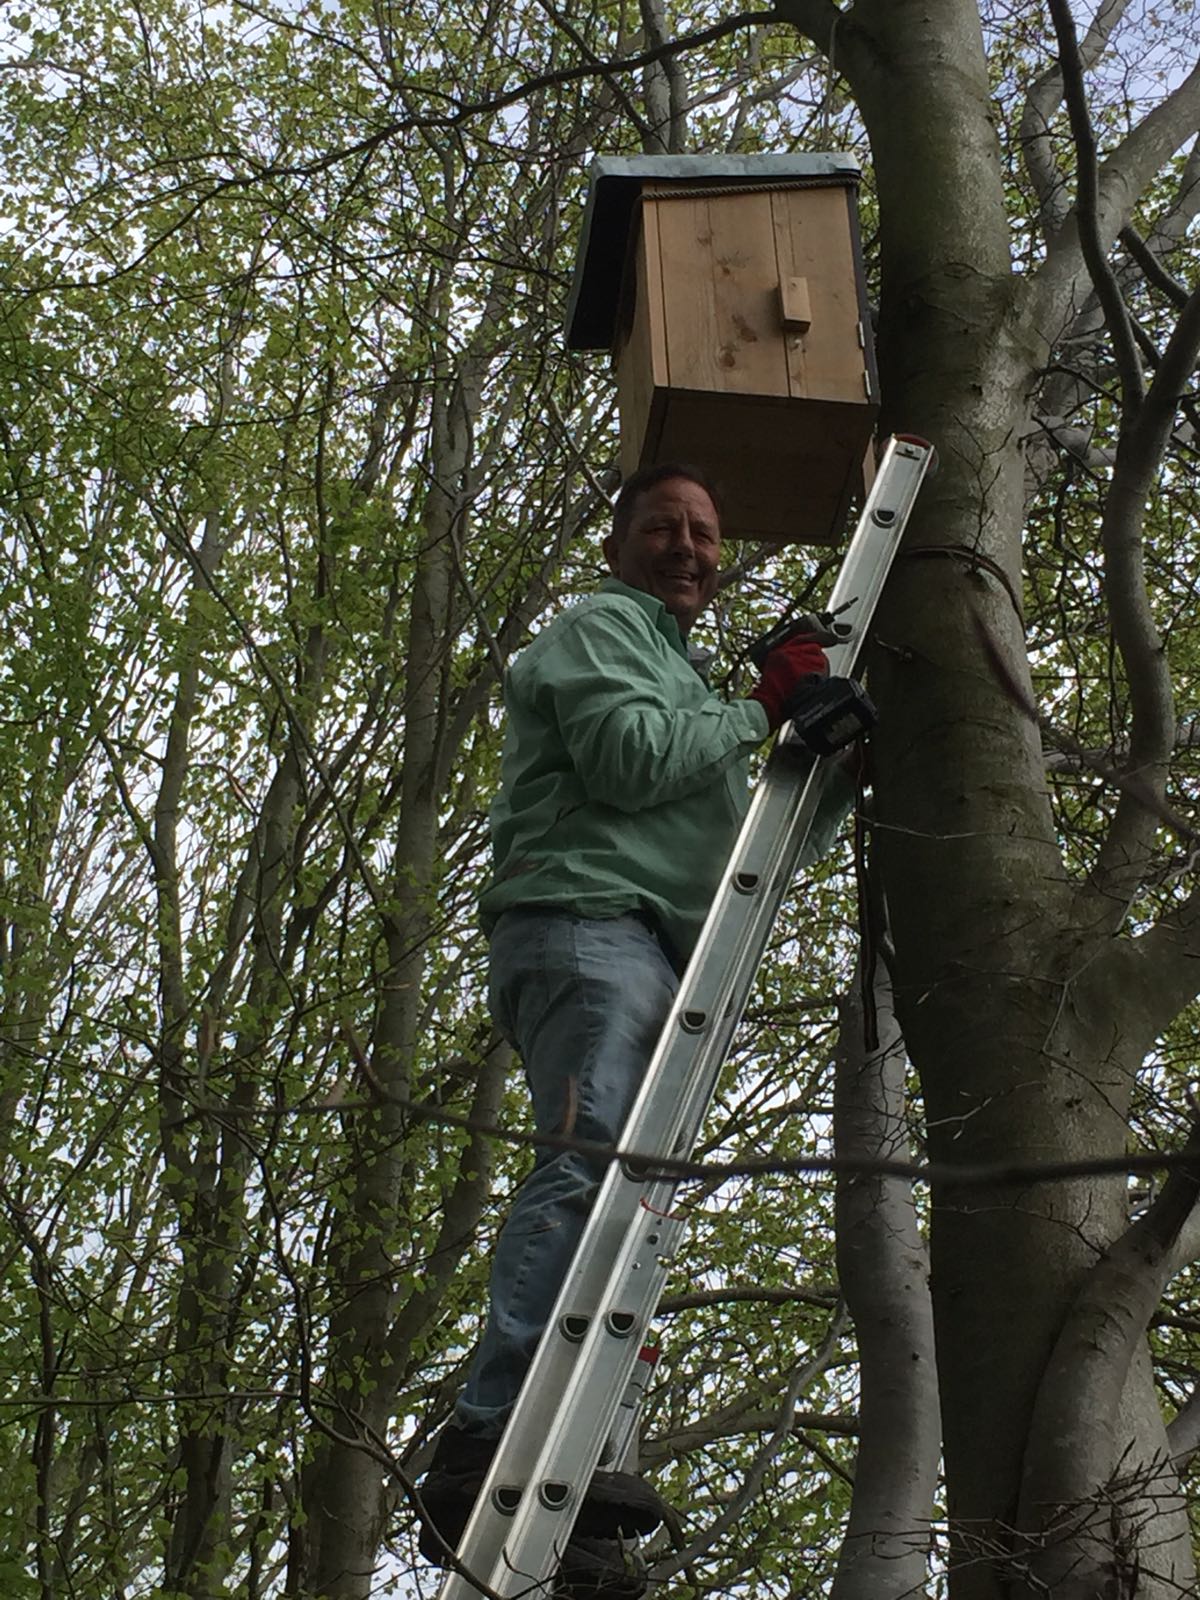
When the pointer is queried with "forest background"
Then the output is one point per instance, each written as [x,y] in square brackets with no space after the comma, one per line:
[292,460]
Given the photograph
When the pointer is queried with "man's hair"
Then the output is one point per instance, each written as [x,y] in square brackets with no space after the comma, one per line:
[646,478]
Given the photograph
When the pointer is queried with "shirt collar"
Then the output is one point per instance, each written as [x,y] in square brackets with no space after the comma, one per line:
[654,609]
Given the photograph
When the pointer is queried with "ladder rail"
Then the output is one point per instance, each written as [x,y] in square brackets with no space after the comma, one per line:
[635,1232]
[580,1372]
[629,1232]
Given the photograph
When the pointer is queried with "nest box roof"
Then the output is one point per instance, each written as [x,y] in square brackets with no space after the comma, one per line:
[613,194]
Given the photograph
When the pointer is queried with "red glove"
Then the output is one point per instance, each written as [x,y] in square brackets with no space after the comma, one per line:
[786,672]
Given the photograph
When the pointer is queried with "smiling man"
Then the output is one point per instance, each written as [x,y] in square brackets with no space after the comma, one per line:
[623,785]
[666,542]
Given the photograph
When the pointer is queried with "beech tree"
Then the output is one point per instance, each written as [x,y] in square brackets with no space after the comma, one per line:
[291,462]
[1031,981]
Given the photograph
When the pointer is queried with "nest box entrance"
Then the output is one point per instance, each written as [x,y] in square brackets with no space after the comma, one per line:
[730,292]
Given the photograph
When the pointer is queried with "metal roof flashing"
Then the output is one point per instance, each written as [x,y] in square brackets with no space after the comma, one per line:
[613,192]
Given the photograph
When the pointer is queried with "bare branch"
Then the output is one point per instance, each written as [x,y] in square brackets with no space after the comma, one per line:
[734,1421]
[1141,444]
[1087,202]
[805,1373]
[965,1174]
[671,1305]
[1073,1450]
[1121,179]
[1044,98]
[883,1267]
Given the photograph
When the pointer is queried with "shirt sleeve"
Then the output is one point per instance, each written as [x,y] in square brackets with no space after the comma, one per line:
[616,704]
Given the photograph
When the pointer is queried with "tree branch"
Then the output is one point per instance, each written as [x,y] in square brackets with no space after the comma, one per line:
[626,101]
[1152,269]
[1066,387]
[1141,444]
[883,1267]
[751,1419]
[662,87]
[1087,205]
[670,1305]
[1121,179]
[961,1174]
[1183,1431]
[818,20]
[784,1425]
[1044,98]
[1073,1450]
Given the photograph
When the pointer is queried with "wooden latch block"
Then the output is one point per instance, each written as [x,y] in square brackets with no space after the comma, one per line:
[795,305]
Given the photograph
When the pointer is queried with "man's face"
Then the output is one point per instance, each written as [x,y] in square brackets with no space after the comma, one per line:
[672,549]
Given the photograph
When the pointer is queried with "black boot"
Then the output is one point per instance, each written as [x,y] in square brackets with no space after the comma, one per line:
[616,1503]
[619,1503]
[450,1488]
[600,1569]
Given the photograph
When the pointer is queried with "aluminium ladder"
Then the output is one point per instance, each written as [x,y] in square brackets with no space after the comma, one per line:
[578,1404]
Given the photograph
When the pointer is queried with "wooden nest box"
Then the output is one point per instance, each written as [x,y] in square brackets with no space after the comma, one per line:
[730,292]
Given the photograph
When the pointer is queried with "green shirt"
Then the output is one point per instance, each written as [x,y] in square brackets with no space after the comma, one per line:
[624,776]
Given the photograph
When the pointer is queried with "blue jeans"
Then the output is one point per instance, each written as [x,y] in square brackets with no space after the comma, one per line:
[583,1000]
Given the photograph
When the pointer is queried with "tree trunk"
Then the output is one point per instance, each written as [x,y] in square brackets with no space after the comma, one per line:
[883,1270]
[1025,1037]
[345,1496]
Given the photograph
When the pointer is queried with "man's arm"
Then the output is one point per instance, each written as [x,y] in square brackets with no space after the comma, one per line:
[622,714]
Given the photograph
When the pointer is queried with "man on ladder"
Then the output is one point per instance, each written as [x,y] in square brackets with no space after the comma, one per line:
[623,785]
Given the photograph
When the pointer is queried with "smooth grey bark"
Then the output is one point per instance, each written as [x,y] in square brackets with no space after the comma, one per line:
[1183,1432]
[1041,103]
[883,1268]
[1078,1482]
[1084,365]
[663,89]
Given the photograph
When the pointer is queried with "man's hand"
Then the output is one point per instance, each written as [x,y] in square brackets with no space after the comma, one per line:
[791,666]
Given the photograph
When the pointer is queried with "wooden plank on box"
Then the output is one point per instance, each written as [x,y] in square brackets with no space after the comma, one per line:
[720,294]
[813,241]
[689,300]
[640,354]
[794,471]
[651,264]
